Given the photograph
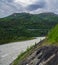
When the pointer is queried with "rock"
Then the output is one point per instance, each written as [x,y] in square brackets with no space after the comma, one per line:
[47,55]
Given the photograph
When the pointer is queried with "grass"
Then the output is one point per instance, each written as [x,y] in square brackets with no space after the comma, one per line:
[48,43]
[53,35]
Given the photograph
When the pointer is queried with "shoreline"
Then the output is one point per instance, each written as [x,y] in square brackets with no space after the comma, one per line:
[11,51]
[28,51]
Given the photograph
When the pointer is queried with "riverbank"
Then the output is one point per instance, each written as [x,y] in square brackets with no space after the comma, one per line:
[23,56]
[4,41]
[9,52]
[29,55]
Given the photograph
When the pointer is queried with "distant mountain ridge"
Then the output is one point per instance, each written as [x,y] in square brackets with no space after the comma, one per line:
[26,25]
[41,14]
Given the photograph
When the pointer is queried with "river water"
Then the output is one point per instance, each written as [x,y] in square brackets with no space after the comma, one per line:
[9,52]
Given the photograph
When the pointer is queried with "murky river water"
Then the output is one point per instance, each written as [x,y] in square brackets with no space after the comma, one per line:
[9,52]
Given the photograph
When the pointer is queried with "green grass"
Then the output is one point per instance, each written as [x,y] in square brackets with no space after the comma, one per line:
[53,35]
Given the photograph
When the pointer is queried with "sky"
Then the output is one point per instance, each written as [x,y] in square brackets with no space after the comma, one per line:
[8,7]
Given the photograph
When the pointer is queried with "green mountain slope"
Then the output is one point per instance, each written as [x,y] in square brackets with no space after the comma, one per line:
[20,25]
[53,35]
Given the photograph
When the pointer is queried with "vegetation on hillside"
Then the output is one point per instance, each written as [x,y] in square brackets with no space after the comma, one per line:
[53,35]
[24,25]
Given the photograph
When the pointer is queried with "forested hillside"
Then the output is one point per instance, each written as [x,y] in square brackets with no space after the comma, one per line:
[22,25]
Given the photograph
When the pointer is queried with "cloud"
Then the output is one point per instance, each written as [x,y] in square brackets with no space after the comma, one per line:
[9,0]
[36,6]
[50,6]
[8,7]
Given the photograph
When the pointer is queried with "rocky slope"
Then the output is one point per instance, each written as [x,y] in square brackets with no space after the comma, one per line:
[47,55]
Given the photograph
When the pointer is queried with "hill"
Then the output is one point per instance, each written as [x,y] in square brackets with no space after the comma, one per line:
[18,26]
[53,35]
[43,53]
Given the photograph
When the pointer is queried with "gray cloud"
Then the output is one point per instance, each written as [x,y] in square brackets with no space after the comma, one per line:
[36,6]
[10,0]
[7,1]
[8,7]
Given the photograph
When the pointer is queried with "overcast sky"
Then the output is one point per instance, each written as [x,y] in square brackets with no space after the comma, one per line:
[8,7]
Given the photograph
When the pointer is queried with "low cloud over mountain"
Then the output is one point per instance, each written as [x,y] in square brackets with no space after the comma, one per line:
[8,7]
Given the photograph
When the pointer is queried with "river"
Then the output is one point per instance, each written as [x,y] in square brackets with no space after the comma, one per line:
[9,52]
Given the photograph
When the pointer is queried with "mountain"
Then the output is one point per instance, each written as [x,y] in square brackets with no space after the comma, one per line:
[26,25]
